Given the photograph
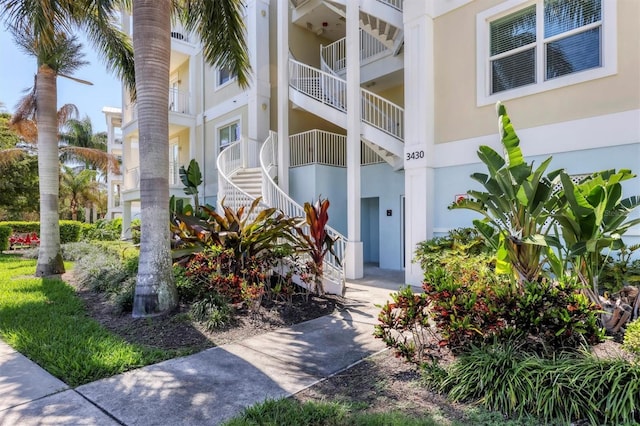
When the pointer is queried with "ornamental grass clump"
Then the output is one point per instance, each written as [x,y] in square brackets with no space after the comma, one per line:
[565,388]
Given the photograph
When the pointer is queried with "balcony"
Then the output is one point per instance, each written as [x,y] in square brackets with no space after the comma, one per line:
[178,102]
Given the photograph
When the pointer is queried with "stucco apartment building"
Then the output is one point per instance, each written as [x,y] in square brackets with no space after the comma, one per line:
[380,105]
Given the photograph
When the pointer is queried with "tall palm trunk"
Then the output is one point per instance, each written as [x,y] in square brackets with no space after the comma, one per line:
[155,291]
[49,256]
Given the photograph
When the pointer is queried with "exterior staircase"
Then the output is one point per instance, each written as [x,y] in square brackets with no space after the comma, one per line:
[249,181]
[240,186]
[380,18]
[324,94]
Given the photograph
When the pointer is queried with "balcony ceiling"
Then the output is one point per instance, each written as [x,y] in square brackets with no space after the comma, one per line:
[177,59]
[316,19]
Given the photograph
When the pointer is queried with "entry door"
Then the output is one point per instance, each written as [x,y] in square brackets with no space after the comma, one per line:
[370,229]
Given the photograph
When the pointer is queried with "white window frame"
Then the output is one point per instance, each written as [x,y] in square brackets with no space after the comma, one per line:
[174,161]
[219,85]
[483,65]
[222,125]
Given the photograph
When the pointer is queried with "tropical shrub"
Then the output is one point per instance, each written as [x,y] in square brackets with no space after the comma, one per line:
[70,231]
[632,338]
[404,325]
[213,270]
[530,223]
[108,270]
[103,230]
[621,270]
[557,315]
[22,227]
[213,311]
[461,241]
[5,232]
[314,239]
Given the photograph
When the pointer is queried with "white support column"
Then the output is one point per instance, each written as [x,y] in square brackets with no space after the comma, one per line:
[259,91]
[354,254]
[126,221]
[283,95]
[419,130]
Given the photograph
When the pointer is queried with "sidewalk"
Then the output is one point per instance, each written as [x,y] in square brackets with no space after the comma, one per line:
[208,387]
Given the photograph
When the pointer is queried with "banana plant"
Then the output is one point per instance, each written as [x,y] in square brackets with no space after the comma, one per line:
[594,218]
[516,204]
[191,178]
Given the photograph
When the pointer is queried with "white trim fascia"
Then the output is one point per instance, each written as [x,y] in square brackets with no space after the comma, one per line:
[444,230]
[227,106]
[609,54]
[441,7]
[621,128]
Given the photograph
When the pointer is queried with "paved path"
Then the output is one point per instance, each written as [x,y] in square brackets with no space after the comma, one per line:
[208,387]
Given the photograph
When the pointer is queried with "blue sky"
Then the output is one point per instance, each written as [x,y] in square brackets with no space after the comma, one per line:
[18,69]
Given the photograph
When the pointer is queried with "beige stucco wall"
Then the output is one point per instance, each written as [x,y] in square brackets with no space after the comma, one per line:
[212,126]
[457,116]
[393,94]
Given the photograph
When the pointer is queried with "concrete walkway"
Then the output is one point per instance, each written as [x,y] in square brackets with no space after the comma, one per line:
[208,387]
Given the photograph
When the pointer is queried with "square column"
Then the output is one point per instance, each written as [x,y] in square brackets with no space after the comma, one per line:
[419,131]
[354,262]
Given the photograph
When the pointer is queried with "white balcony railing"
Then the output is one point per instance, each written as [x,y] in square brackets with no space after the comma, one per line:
[331,90]
[320,85]
[178,102]
[132,178]
[335,54]
[318,147]
[396,4]
[326,148]
[276,197]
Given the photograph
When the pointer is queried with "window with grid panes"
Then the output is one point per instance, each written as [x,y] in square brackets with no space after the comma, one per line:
[543,41]
[228,134]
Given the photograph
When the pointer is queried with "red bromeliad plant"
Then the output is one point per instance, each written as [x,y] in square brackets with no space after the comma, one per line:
[316,241]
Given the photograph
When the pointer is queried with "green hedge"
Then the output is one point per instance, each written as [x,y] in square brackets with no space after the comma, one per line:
[5,233]
[69,229]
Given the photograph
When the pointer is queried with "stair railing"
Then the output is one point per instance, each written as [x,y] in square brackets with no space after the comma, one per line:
[334,55]
[274,196]
[230,161]
[319,85]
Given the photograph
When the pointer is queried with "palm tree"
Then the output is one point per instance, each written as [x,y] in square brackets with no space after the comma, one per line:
[44,29]
[220,27]
[80,189]
[79,134]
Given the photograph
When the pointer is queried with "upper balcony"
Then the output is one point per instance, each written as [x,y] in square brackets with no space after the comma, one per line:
[179,102]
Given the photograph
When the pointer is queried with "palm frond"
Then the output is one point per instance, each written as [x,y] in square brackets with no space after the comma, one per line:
[221,28]
[25,128]
[101,160]
[26,107]
[113,45]
[10,156]
[65,113]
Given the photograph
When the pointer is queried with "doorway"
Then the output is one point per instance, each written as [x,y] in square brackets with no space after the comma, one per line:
[370,229]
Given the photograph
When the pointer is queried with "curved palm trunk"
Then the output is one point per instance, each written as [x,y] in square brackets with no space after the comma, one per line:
[155,291]
[49,255]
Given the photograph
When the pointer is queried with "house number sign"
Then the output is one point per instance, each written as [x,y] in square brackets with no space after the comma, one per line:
[415,155]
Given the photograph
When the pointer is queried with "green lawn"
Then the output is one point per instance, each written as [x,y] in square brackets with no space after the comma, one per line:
[44,320]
